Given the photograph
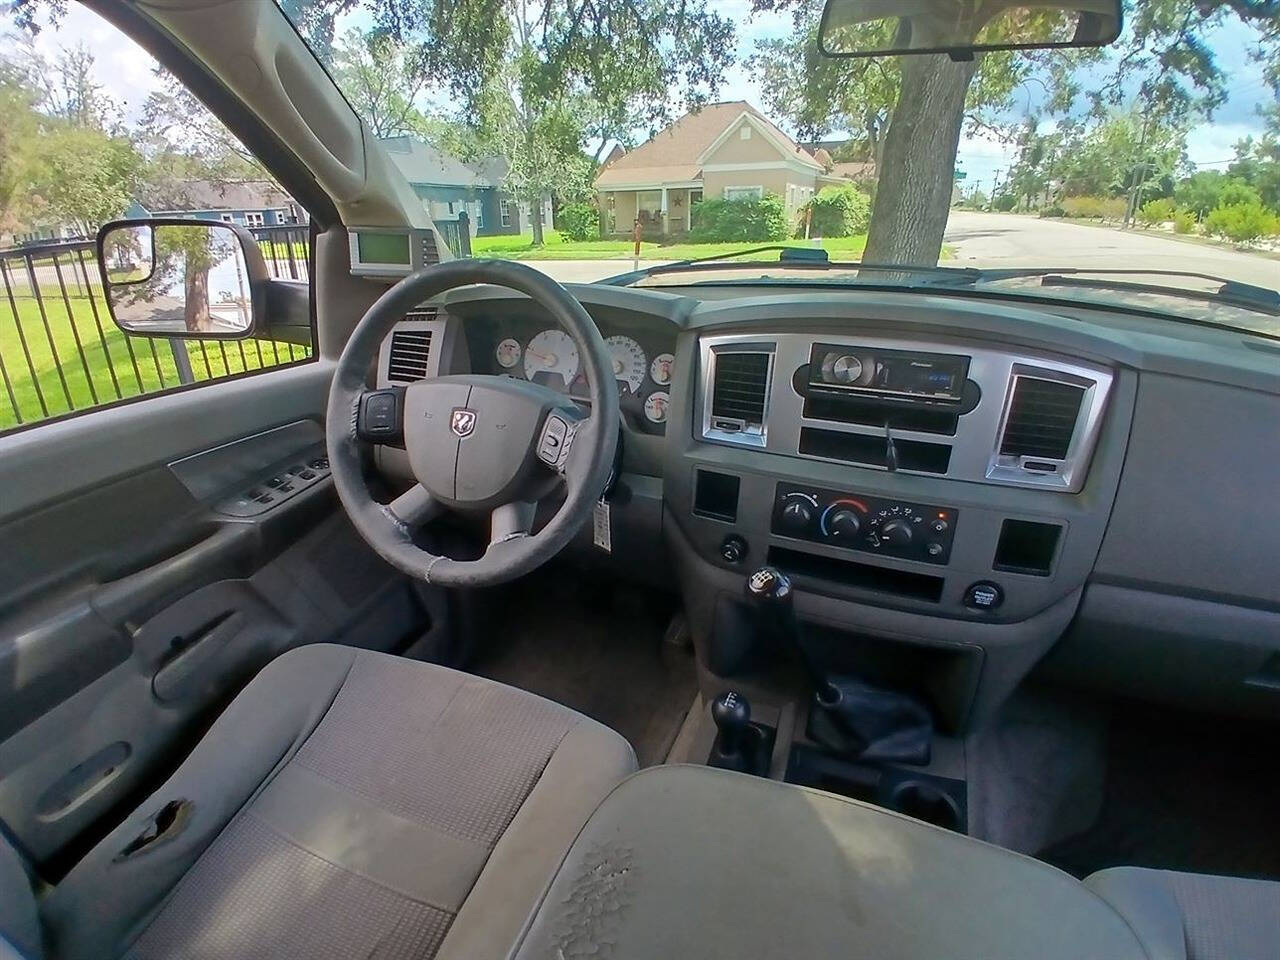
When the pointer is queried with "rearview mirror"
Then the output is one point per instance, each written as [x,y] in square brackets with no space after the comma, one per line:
[181,278]
[875,28]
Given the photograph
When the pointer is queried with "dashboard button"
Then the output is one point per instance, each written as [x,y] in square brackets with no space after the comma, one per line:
[733,549]
[983,595]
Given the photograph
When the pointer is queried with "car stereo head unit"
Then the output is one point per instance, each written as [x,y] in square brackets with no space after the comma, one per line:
[891,374]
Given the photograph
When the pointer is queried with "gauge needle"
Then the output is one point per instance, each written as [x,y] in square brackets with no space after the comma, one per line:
[548,359]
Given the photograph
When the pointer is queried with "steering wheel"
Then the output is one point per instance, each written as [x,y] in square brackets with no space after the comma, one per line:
[476,443]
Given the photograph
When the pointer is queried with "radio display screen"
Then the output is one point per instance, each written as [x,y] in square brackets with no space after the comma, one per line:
[888,373]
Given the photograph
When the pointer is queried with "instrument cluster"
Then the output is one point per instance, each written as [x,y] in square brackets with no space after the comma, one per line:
[642,365]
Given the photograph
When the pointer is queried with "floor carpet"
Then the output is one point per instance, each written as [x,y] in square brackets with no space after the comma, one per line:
[598,648]
[1184,792]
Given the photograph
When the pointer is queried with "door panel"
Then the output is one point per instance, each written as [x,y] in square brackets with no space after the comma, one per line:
[136,599]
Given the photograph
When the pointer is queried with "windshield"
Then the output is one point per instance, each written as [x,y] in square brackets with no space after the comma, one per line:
[599,139]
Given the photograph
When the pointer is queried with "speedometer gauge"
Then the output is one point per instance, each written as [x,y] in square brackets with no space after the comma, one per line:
[508,353]
[551,358]
[628,361]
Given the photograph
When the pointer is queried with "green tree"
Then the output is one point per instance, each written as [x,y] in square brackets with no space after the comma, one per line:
[1163,52]
[535,83]
[381,80]
[81,177]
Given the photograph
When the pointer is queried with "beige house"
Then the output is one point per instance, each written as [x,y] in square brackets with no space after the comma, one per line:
[728,150]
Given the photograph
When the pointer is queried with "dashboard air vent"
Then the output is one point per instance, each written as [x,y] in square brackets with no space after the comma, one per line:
[1042,418]
[410,352]
[739,390]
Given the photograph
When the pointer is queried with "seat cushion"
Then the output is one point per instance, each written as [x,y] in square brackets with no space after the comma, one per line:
[696,862]
[347,803]
[1194,916]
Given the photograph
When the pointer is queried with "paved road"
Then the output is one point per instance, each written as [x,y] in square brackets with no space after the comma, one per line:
[1008,240]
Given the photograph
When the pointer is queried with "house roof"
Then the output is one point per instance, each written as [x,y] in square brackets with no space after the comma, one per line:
[674,154]
[853,170]
[422,163]
[216,195]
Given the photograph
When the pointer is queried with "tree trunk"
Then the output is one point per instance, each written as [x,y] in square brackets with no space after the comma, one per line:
[535,214]
[196,307]
[913,196]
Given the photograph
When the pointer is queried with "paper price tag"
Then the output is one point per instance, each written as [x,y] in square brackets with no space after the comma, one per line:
[601,533]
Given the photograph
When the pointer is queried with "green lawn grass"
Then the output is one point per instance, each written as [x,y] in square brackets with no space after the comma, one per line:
[556,247]
[57,380]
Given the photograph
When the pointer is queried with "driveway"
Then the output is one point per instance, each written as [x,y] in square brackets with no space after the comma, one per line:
[1009,240]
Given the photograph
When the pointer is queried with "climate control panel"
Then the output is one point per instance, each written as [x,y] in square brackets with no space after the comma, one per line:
[909,531]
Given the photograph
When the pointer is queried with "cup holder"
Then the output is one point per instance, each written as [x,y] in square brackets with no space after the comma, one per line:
[926,802]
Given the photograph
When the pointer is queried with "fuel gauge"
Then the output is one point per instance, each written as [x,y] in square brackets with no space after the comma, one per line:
[655,407]
[508,353]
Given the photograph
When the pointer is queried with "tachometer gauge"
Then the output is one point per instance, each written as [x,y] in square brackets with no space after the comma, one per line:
[660,369]
[551,358]
[628,361]
[508,353]
[655,407]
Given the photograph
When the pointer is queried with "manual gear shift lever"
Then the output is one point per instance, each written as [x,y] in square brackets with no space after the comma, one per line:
[770,592]
[732,714]
[847,715]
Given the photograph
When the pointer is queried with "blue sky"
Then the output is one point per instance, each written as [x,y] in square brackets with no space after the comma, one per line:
[125,71]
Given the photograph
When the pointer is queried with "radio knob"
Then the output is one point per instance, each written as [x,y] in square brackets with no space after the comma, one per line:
[797,514]
[843,523]
[897,532]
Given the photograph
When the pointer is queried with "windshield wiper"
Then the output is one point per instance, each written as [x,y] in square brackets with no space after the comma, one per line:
[798,258]
[1231,292]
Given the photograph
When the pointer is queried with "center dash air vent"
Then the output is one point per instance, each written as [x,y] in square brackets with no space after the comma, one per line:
[1042,418]
[407,360]
[739,391]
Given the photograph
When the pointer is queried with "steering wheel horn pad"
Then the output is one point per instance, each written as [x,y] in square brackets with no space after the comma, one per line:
[472,440]
[476,442]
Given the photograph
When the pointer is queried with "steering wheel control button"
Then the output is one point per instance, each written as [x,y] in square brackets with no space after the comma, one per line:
[380,416]
[984,595]
[552,446]
[733,549]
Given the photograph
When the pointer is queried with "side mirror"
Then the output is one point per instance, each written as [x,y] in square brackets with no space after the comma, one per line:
[194,279]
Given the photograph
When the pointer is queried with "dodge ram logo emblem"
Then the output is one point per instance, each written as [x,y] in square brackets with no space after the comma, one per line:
[463,421]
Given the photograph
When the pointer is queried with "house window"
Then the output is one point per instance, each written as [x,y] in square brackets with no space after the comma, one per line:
[743,193]
[451,208]
[744,133]
[504,209]
[252,219]
[478,207]
[542,213]
[227,218]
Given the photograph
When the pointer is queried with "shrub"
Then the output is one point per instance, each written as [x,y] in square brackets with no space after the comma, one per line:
[739,221]
[578,221]
[1053,210]
[1156,211]
[1184,221]
[839,212]
[1095,208]
[1004,202]
[1236,192]
[1242,222]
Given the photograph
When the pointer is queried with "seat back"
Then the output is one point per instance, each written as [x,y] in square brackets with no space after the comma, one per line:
[19,921]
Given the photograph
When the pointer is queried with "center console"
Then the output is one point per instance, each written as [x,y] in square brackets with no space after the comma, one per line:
[936,492]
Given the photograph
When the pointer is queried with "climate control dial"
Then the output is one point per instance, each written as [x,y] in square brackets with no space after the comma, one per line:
[908,531]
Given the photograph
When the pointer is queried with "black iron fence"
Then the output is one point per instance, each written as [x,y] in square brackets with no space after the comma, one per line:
[60,351]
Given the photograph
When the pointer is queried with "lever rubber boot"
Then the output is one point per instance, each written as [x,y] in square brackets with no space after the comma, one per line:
[862,722]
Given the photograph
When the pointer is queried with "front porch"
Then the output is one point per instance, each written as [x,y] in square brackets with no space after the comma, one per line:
[663,210]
